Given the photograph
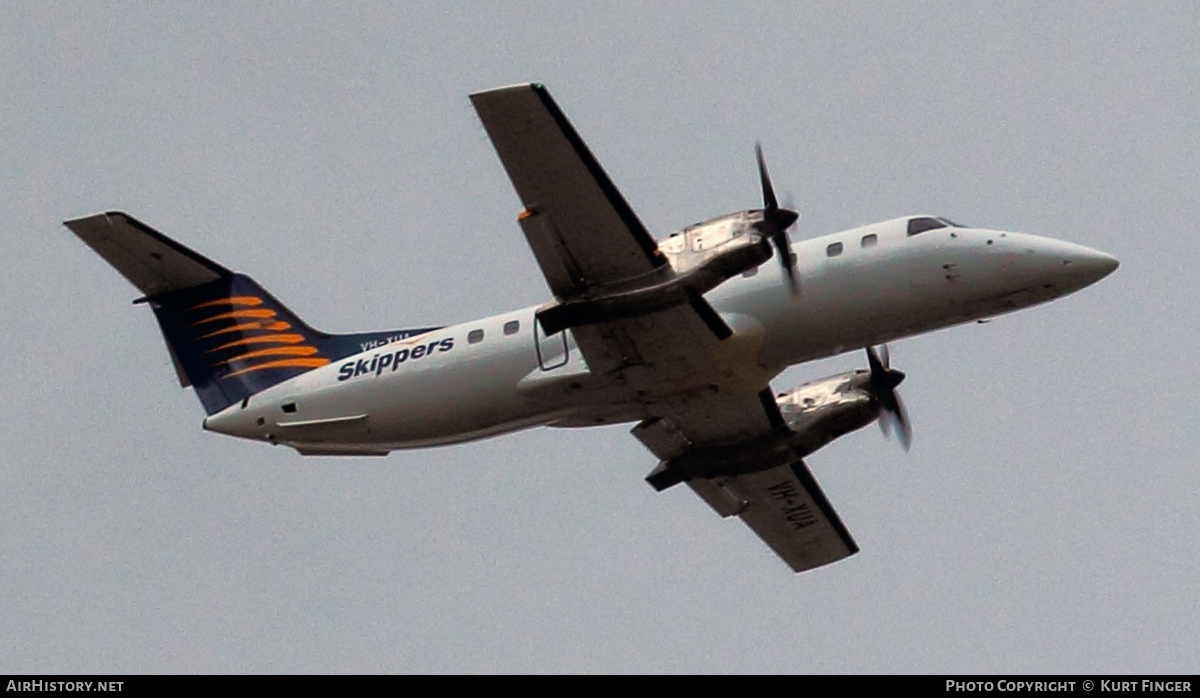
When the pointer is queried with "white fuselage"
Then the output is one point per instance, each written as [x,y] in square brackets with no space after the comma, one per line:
[860,287]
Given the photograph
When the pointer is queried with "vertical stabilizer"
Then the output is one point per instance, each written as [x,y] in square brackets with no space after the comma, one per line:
[228,337]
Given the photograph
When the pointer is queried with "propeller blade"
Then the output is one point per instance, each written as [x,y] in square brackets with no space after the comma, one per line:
[769,201]
[776,222]
[892,413]
[903,426]
[873,362]
[783,247]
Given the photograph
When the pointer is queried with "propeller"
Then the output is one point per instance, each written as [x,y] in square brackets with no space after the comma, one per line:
[775,223]
[884,380]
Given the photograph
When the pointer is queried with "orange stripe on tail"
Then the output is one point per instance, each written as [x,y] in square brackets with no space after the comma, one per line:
[232,300]
[285,363]
[264,313]
[273,326]
[264,339]
[273,351]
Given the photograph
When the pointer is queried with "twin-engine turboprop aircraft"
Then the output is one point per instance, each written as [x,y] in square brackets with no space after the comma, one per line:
[681,335]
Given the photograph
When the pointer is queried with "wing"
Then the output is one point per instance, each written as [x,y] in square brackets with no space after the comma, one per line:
[787,509]
[588,241]
[586,238]
[589,235]
[734,453]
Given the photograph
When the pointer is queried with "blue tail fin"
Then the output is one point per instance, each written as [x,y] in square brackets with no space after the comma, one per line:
[229,337]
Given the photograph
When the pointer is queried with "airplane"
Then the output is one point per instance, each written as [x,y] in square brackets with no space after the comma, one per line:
[679,336]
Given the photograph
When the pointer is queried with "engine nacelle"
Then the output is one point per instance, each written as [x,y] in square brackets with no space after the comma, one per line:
[816,413]
[701,258]
[696,245]
[824,410]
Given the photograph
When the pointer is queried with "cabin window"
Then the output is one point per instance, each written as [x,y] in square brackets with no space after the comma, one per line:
[512,327]
[870,240]
[289,407]
[474,336]
[917,226]
[834,249]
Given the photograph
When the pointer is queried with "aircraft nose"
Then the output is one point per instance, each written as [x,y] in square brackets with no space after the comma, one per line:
[1046,262]
[1091,265]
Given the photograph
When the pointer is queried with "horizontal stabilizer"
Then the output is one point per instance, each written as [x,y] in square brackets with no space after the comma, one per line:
[787,509]
[150,260]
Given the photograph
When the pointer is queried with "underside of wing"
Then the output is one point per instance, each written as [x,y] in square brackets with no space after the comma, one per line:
[738,454]
[647,351]
[617,292]
[585,234]
[787,509]
[707,422]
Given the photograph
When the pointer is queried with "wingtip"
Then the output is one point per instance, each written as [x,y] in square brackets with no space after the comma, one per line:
[532,86]
[93,216]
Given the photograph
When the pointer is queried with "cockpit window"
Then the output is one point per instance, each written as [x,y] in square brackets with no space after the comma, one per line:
[920,225]
[951,223]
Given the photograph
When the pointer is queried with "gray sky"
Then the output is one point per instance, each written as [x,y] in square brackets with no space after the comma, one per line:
[1045,520]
